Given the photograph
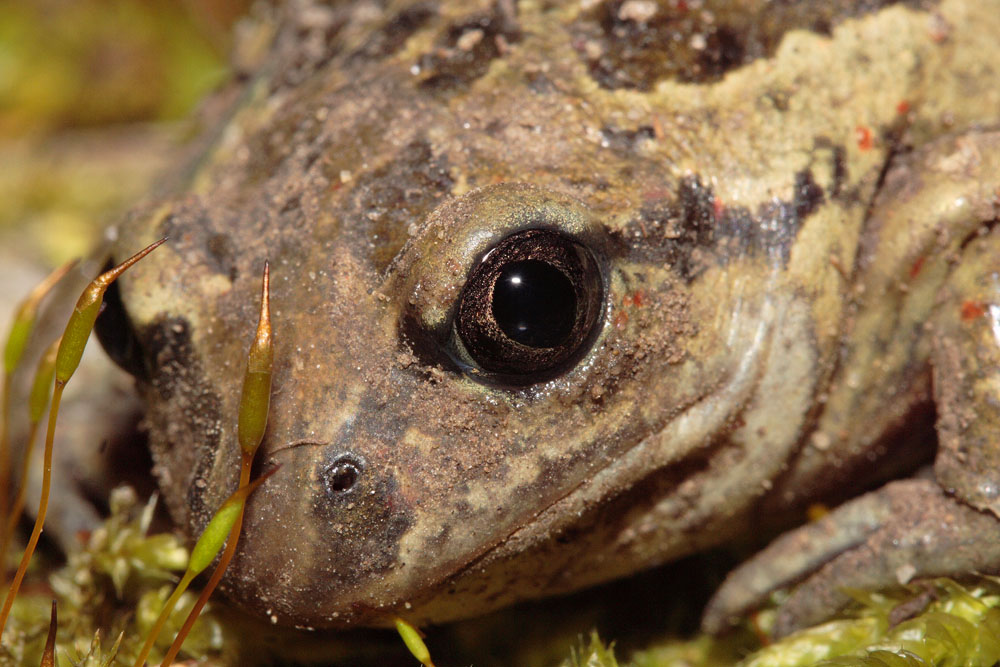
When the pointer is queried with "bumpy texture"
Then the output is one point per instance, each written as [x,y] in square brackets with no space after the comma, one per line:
[784,243]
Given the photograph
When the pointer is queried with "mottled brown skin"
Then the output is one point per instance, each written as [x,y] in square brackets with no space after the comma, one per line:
[789,209]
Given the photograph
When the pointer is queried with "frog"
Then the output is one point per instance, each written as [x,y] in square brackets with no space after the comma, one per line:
[562,290]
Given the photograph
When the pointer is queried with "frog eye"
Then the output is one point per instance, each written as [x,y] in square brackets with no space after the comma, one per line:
[530,307]
[117,335]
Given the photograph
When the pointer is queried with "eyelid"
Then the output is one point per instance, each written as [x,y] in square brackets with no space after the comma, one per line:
[432,268]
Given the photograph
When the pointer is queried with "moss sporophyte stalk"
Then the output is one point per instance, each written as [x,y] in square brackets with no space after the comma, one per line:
[68,355]
[204,552]
[253,410]
[59,363]
[17,339]
[37,402]
[49,652]
[414,642]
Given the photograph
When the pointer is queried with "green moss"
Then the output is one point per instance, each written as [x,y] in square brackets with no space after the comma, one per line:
[115,585]
[592,653]
[960,625]
[82,86]
[112,588]
[96,62]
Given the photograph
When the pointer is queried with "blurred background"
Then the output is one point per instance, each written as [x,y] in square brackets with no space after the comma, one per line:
[95,96]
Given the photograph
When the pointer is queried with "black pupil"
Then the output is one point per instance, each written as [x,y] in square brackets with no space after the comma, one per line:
[534,303]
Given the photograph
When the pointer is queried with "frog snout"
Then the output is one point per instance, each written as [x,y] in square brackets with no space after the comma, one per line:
[323,535]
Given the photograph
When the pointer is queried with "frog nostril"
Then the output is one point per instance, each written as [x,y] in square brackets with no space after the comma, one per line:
[342,474]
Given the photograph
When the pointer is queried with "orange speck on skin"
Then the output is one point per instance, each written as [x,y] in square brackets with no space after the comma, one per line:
[864,137]
[939,32]
[633,299]
[917,266]
[717,208]
[758,629]
[655,194]
[903,107]
[839,266]
[621,318]
[817,511]
[972,309]
[658,131]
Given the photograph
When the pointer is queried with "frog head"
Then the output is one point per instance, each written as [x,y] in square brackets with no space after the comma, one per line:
[517,320]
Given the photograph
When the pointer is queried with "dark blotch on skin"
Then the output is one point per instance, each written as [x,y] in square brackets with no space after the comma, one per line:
[274,156]
[460,57]
[168,341]
[318,32]
[205,240]
[625,141]
[391,37]
[539,83]
[683,227]
[427,350]
[177,376]
[361,526]
[223,251]
[699,45]
[391,197]
[692,230]
[839,170]
[807,196]
[837,166]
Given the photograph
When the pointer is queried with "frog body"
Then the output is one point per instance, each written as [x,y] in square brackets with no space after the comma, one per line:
[775,226]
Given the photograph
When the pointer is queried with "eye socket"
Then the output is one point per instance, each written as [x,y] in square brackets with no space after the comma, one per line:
[531,306]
